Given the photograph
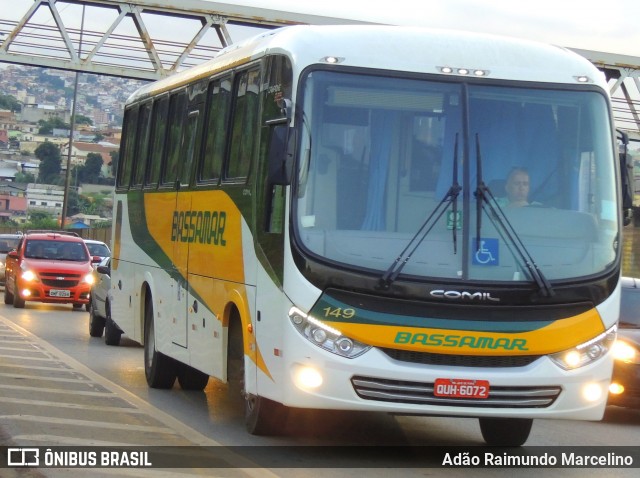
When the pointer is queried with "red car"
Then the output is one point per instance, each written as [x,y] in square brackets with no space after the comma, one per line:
[49,266]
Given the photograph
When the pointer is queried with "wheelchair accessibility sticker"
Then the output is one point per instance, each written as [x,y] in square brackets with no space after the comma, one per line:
[488,254]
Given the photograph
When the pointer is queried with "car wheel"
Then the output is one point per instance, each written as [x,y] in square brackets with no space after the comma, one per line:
[505,431]
[112,333]
[8,296]
[18,302]
[96,323]
[159,370]
[191,379]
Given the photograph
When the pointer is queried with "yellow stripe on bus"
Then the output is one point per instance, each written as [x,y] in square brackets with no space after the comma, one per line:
[560,335]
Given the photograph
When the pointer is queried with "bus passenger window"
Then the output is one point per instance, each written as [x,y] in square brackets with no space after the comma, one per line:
[142,144]
[159,126]
[190,133]
[245,124]
[124,171]
[216,128]
[177,106]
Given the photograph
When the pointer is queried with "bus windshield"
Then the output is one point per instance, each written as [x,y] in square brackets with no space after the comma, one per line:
[378,157]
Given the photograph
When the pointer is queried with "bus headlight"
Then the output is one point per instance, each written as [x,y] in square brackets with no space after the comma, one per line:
[586,352]
[325,336]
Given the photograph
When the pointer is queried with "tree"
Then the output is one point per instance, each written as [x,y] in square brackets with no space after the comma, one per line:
[93,167]
[8,102]
[41,220]
[82,119]
[47,126]
[25,178]
[50,162]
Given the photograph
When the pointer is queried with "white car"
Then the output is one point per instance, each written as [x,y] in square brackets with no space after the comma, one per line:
[98,248]
[99,307]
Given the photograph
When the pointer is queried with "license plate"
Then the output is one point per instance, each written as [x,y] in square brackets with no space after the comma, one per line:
[461,388]
[59,293]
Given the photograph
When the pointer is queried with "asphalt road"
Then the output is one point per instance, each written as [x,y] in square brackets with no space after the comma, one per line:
[59,386]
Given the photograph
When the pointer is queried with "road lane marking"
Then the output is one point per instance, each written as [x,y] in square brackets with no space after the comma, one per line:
[239,463]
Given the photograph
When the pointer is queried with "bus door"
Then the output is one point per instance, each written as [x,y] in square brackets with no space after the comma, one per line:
[181,247]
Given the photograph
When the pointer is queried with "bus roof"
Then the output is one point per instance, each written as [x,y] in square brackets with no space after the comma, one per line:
[398,48]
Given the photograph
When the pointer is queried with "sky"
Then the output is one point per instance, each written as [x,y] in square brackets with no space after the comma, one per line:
[611,26]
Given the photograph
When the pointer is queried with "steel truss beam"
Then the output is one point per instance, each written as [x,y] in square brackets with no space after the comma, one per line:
[136,53]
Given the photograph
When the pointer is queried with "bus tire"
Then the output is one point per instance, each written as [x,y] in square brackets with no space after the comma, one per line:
[505,431]
[159,370]
[96,323]
[191,379]
[112,333]
[8,296]
[261,415]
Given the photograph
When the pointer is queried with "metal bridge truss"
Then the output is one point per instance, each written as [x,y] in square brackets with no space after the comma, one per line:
[150,39]
[142,39]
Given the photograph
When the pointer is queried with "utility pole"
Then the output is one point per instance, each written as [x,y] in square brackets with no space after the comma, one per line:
[67,175]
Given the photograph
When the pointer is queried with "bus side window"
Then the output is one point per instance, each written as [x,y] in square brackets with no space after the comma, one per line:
[190,133]
[157,140]
[217,111]
[245,124]
[126,159]
[142,144]
[177,117]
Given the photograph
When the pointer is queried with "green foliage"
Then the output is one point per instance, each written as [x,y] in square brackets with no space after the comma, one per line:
[47,126]
[9,102]
[25,178]
[82,119]
[50,162]
[41,220]
[90,171]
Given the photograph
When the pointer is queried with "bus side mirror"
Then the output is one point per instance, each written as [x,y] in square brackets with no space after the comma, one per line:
[280,155]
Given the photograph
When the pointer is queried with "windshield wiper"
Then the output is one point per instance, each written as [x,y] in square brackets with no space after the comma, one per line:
[451,196]
[484,197]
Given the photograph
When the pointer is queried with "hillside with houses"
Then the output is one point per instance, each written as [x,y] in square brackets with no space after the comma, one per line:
[36,144]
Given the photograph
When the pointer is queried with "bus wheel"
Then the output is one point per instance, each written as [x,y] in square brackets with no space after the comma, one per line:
[505,431]
[261,415]
[191,379]
[159,370]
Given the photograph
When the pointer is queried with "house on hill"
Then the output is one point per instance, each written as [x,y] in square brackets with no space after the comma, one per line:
[80,150]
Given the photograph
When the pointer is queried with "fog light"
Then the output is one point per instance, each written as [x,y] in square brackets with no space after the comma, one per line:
[592,392]
[616,388]
[26,293]
[307,378]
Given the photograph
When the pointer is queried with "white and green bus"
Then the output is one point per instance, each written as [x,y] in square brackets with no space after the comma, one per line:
[320,216]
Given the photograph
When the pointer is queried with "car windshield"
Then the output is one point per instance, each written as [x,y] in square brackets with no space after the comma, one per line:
[8,244]
[630,308]
[96,249]
[56,250]
[379,157]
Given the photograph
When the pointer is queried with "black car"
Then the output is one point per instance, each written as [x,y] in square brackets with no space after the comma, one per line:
[625,383]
